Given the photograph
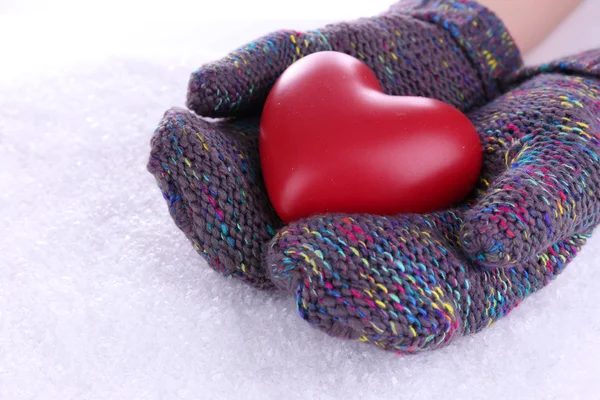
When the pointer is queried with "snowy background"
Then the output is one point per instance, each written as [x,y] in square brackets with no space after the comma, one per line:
[101,297]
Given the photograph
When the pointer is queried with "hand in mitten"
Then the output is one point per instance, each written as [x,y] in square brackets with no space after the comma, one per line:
[209,173]
[408,283]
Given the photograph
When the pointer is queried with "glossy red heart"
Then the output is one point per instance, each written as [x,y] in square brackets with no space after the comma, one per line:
[332,142]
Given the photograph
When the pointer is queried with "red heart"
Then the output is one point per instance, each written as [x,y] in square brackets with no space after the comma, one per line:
[332,142]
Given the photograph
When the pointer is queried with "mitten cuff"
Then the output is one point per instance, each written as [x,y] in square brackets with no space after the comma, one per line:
[481,35]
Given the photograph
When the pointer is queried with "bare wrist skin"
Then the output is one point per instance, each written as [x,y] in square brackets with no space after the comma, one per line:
[531,21]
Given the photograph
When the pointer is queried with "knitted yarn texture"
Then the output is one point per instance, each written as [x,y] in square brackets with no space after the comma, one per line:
[405,283]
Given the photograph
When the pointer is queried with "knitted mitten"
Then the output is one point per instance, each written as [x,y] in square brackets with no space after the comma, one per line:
[452,50]
[209,173]
[405,282]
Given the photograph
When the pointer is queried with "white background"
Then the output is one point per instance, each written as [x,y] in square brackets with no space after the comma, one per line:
[102,297]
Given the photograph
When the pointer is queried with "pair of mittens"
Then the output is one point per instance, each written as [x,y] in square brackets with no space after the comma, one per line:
[406,282]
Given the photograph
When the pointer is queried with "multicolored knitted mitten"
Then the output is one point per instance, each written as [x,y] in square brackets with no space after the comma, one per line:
[410,282]
[407,283]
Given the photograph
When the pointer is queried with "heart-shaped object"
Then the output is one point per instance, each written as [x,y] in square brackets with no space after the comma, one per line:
[332,142]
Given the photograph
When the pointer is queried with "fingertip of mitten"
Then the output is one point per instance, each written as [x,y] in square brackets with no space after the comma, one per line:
[204,91]
[209,191]
[344,295]
[493,241]
[481,248]
[284,274]
[239,83]
[288,275]
[161,145]
[227,88]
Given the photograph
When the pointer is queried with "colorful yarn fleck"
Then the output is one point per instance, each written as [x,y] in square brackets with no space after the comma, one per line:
[411,282]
